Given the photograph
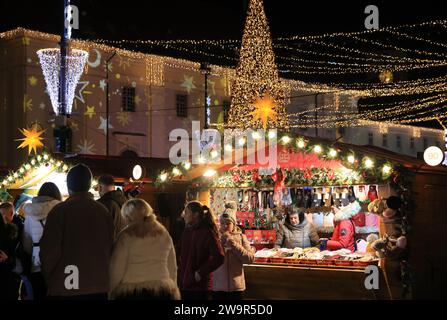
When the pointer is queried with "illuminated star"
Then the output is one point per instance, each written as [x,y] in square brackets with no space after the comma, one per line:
[86,147]
[74,126]
[102,84]
[79,94]
[27,103]
[25,41]
[108,66]
[32,81]
[90,112]
[188,83]
[103,125]
[124,118]
[32,139]
[137,99]
[264,109]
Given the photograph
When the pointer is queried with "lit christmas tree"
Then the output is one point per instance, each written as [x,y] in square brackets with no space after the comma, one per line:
[258,96]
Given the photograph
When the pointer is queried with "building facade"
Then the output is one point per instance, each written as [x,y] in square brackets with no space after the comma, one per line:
[149,96]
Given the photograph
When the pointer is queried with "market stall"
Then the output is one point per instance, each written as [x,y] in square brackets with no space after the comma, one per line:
[313,176]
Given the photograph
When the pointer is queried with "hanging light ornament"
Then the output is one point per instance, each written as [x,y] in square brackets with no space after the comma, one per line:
[50,61]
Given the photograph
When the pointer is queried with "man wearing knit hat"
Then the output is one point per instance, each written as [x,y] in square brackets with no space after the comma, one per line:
[77,241]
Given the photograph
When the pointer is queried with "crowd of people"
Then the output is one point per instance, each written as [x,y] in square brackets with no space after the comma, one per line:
[114,248]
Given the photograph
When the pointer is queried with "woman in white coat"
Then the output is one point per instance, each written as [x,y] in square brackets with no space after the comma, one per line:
[36,214]
[143,264]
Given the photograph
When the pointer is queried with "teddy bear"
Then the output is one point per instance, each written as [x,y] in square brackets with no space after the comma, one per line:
[392,242]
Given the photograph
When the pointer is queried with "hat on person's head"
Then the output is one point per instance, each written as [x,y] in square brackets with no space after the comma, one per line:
[229,212]
[79,178]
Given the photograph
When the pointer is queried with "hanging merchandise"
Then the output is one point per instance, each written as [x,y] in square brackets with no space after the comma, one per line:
[344,197]
[318,219]
[328,200]
[270,200]
[351,194]
[286,199]
[362,194]
[328,220]
[372,193]
[309,217]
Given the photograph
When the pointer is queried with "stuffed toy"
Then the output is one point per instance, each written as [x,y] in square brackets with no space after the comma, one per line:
[392,242]
[370,240]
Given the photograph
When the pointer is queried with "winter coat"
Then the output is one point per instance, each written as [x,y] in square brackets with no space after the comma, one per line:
[199,250]
[303,235]
[144,263]
[230,276]
[36,214]
[344,230]
[113,201]
[8,235]
[78,232]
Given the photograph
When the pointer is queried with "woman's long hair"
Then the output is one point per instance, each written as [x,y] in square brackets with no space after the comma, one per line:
[49,189]
[143,220]
[205,215]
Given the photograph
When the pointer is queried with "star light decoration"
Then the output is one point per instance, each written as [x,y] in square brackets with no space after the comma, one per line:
[32,139]
[264,110]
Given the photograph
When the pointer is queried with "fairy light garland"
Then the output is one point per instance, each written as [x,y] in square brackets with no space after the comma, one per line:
[33,163]
[361,165]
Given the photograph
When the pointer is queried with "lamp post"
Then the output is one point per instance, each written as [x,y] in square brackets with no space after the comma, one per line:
[206,70]
[62,133]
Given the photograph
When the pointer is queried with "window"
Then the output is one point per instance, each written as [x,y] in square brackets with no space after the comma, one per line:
[182,105]
[128,99]
[226,109]
[425,142]
[398,142]
[371,138]
[412,143]
[385,140]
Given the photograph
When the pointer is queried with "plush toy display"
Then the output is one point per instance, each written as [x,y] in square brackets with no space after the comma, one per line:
[392,241]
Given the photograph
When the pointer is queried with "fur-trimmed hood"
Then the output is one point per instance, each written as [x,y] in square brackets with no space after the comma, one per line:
[40,207]
[347,212]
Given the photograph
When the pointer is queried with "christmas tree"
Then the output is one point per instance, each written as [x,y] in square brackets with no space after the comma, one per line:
[258,96]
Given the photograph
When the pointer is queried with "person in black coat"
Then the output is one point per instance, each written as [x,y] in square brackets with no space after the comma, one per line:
[8,237]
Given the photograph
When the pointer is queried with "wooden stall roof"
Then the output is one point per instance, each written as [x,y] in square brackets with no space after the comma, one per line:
[416,164]
[120,167]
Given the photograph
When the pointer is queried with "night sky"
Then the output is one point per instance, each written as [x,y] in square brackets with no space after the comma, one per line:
[209,19]
[224,19]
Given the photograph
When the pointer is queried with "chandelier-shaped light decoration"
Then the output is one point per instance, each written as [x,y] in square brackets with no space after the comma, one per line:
[50,61]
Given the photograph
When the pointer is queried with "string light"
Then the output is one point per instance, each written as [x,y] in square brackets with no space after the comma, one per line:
[332,153]
[386,169]
[368,163]
[187,165]
[209,173]
[317,149]
[285,139]
[300,143]
[351,159]
[176,172]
